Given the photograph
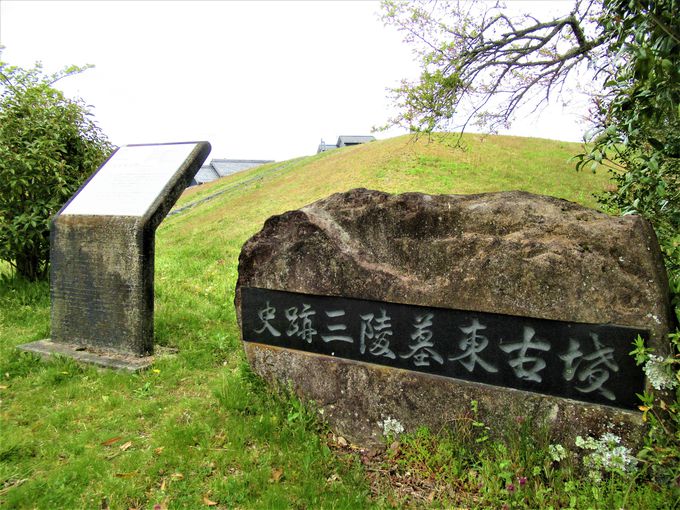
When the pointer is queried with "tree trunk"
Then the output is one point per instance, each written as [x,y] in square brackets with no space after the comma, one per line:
[30,267]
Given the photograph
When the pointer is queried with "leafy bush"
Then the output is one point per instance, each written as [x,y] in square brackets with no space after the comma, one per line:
[637,118]
[48,146]
[661,410]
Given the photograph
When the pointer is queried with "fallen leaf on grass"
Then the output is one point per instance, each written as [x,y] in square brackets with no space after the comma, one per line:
[126,475]
[277,473]
[111,441]
[159,450]
[3,387]
[208,502]
[177,476]
[125,446]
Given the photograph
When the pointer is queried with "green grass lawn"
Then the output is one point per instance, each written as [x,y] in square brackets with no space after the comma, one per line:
[199,430]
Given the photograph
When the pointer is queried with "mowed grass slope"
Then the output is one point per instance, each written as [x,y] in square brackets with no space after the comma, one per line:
[199,430]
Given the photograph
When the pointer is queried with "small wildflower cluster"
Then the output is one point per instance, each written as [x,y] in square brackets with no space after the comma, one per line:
[391,426]
[659,373]
[608,456]
[521,481]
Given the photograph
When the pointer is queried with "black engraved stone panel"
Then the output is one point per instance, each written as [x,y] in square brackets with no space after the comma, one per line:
[586,362]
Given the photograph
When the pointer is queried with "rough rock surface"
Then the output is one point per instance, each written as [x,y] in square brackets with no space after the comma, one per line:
[511,253]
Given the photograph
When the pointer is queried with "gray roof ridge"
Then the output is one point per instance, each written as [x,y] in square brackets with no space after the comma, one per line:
[224,160]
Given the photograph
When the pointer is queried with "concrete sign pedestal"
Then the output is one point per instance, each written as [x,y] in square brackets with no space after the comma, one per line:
[102,255]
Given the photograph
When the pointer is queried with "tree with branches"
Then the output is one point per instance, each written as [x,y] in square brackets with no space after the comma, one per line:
[480,64]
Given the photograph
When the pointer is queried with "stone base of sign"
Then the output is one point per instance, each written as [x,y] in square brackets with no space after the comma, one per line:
[356,398]
[104,359]
[102,270]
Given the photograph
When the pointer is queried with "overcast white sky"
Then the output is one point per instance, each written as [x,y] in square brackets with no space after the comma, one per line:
[258,80]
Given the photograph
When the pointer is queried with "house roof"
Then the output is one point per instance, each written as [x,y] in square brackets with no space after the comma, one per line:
[343,141]
[206,174]
[354,140]
[230,166]
[221,167]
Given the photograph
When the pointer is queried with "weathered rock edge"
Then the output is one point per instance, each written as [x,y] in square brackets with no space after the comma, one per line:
[511,252]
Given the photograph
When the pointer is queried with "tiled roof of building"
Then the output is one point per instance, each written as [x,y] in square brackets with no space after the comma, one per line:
[230,166]
[206,174]
[344,141]
[221,167]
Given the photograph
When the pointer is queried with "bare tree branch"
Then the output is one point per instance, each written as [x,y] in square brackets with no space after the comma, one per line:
[470,56]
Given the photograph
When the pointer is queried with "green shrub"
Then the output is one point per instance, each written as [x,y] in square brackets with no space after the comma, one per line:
[48,146]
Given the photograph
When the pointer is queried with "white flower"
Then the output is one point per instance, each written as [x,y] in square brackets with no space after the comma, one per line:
[610,440]
[391,426]
[608,455]
[659,374]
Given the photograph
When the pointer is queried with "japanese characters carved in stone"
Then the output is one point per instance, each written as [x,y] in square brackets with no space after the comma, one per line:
[411,306]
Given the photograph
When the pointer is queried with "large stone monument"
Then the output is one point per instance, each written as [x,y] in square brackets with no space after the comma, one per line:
[102,254]
[409,307]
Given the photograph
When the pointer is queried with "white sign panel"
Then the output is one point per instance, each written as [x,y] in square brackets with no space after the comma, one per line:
[129,182]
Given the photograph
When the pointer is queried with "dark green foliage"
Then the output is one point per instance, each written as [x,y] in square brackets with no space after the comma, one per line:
[48,146]
[638,117]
